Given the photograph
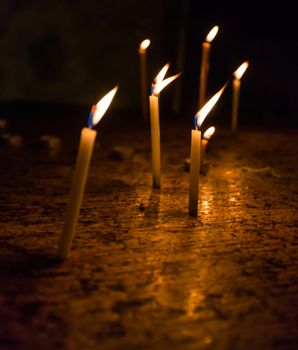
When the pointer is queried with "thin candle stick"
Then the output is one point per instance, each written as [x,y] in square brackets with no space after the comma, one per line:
[88,136]
[236,95]
[195,153]
[194,172]
[143,76]
[205,66]
[158,84]
[155,139]
[235,105]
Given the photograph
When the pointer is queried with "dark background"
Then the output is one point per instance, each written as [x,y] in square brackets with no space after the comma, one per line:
[57,54]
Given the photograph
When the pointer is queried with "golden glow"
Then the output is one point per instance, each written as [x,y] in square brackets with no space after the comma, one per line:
[240,71]
[212,34]
[144,44]
[102,106]
[208,133]
[160,76]
[204,111]
[159,86]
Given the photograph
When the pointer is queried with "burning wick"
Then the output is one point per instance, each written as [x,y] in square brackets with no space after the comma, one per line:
[236,95]
[143,74]
[205,64]
[157,86]
[87,140]
[195,153]
[206,137]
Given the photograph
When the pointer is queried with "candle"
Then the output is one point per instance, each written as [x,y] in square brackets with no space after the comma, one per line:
[236,94]
[195,153]
[87,140]
[158,84]
[143,66]
[205,65]
[206,137]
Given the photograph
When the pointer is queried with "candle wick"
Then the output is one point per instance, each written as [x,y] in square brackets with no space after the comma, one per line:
[196,122]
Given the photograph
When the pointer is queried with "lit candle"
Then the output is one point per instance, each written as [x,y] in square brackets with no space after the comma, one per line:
[157,86]
[143,66]
[206,137]
[87,140]
[205,65]
[236,94]
[195,153]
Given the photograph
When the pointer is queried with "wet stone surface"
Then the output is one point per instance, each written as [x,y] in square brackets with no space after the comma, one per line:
[142,273]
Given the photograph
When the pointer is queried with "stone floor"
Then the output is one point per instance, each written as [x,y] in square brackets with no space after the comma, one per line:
[143,274]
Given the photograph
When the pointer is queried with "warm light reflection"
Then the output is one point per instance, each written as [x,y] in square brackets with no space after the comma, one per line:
[144,44]
[193,301]
[204,111]
[212,34]
[240,71]
[159,86]
[208,133]
[101,107]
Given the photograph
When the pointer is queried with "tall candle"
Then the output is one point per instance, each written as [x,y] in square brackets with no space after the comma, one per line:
[155,139]
[205,65]
[206,137]
[88,136]
[194,172]
[158,84]
[236,94]
[195,153]
[143,75]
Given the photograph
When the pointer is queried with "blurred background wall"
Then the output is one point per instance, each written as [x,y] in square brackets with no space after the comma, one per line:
[72,52]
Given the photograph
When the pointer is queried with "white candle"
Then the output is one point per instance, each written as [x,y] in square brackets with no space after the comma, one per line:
[143,75]
[205,65]
[194,172]
[236,94]
[195,153]
[157,86]
[88,136]
[155,140]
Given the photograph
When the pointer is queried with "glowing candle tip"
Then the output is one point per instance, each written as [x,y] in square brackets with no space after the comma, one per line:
[145,44]
[204,111]
[98,111]
[208,133]
[160,76]
[241,70]
[162,84]
[212,34]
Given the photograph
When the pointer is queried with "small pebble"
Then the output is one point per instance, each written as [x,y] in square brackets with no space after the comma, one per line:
[51,142]
[12,139]
[3,123]
[121,153]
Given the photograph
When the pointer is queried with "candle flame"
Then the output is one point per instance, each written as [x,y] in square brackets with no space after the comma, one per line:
[101,107]
[240,71]
[212,34]
[204,111]
[160,76]
[208,133]
[144,44]
[159,86]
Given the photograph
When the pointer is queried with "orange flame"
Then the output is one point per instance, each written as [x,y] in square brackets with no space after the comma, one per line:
[160,76]
[144,44]
[240,71]
[212,34]
[159,81]
[159,86]
[102,106]
[208,133]
[204,111]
